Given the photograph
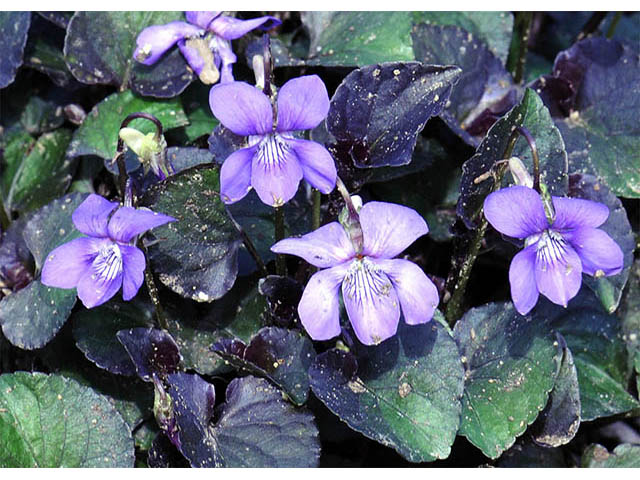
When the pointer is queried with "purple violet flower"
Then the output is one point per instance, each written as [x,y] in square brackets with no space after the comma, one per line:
[374,284]
[275,161]
[107,259]
[205,42]
[556,254]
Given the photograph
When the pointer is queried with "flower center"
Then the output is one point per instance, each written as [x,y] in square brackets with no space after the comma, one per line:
[550,247]
[272,149]
[108,263]
[365,281]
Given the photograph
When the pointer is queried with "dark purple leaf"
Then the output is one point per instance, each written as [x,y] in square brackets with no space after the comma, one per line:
[283,296]
[152,351]
[14,28]
[223,142]
[378,111]
[164,454]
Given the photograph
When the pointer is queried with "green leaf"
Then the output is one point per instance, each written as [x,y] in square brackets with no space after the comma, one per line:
[623,456]
[99,49]
[493,28]
[16,144]
[197,256]
[41,54]
[511,363]
[51,421]
[630,315]
[14,28]
[404,393]
[43,174]
[617,226]
[41,116]
[355,39]
[98,134]
[530,113]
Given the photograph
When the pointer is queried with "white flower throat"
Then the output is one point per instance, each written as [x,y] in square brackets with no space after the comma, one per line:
[272,149]
[550,247]
[366,282]
[108,263]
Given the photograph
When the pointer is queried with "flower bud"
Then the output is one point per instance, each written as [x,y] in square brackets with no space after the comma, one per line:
[150,149]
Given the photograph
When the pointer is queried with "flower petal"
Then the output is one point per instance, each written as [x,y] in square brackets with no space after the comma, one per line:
[516,211]
[231,28]
[522,277]
[597,251]
[578,212]
[417,294]
[192,56]
[388,228]
[65,265]
[235,175]
[241,108]
[103,278]
[319,307]
[371,302]
[225,58]
[275,176]
[303,103]
[128,222]
[317,164]
[325,247]
[133,264]
[201,19]
[155,40]
[560,280]
[92,215]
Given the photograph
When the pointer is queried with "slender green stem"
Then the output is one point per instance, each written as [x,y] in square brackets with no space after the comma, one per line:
[4,218]
[281,264]
[614,24]
[534,153]
[592,25]
[161,320]
[252,251]
[454,307]
[315,213]
[518,48]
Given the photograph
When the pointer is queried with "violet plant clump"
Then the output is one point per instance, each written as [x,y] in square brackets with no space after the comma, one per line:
[275,160]
[107,258]
[557,251]
[204,40]
[375,285]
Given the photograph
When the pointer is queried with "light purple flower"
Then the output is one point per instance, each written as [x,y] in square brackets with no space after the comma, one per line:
[275,161]
[374,284]
[99,264]
[556,255]
[205,42]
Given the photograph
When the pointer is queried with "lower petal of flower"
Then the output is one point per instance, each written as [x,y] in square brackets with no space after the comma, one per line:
[522,278]
[599,253]
[558,268]
[371,302]
[275,172]
[103,278]
[319,307]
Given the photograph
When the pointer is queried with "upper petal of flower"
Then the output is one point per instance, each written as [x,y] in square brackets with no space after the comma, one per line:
[65,265]
[275,172]
[516,211]
[231,28]
[597,250]
[371,302]
[241,108]
[558,279]
[128,222]
[388,228]
[317,164]
[417,294]
[303,103]
[235,175]
[225,58]
[133,264]
[522,277]
[578,212]
[92,215]
[319,307]
[201,19]
[103,278]
[155,40]
[325,247]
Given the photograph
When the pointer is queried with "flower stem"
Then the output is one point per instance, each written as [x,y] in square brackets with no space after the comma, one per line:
[161,320]
[614,24]
[534,153]
[315,212]
[281,264]
[454,307]
[4,218]
[518,48]
[591,26]
[251,249]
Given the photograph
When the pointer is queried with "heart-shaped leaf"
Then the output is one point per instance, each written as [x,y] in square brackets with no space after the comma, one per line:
[510,363]
[404,393]
[51,421]
[14,27]
[196,256]
[623,456]
[152,351]
[378,111]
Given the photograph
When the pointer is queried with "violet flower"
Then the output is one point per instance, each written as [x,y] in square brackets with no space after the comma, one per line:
[107,259]
[555,254]
[205,42]
[374,284]
[275,161]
